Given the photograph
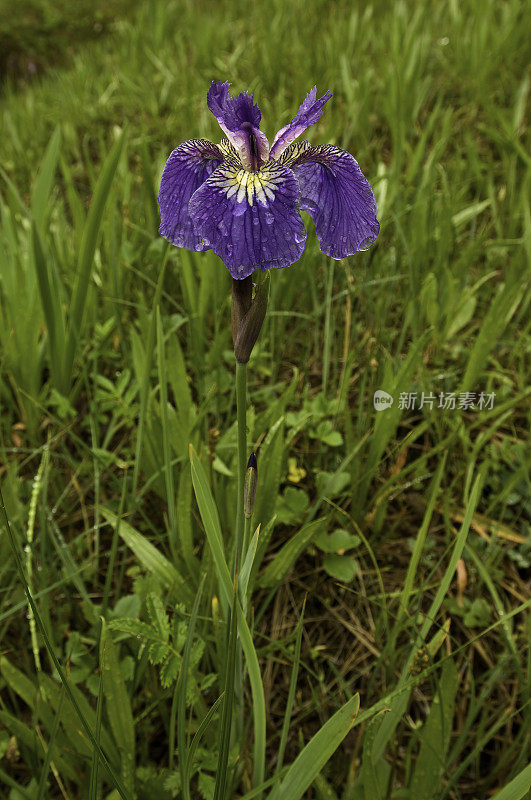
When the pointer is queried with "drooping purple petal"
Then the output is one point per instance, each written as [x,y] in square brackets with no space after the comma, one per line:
[338,197]
[188,166]
[250,218]
[308,114]
[239,118]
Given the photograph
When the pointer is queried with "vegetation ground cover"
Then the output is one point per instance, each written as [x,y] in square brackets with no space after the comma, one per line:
[115,355]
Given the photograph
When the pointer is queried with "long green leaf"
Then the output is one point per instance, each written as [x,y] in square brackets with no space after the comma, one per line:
[44,181]
[289,553]
[517,788]
[89,242]
[317,752]
[148,555]
[118,707]
[51,309]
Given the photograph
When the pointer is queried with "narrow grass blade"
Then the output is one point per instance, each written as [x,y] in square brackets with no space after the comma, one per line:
[291,694]
[48,757]
[93,788]
[400,703]
[435,734]
[144,377]
[209,515]
[51,309]
[203,727]
[317,752]
[118,707]
[180,694]
[44,181]
[89,242]
[168,470]
[228,700]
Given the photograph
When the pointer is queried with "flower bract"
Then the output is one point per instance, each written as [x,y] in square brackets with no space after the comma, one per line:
[242,197]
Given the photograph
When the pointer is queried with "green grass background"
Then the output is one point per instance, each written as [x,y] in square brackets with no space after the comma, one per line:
[99,399]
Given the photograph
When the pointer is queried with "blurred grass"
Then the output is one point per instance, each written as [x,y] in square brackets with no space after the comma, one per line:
[432,99]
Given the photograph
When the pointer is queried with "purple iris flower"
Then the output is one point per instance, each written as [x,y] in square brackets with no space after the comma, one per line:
[242,198]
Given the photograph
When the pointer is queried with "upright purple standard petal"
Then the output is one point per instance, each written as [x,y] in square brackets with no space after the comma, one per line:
[337,196]
[239,118]
[188,166]
[250,219]
[308,114]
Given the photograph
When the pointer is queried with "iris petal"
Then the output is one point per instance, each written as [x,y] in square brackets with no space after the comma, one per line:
[338,197]
[308,114]
[250,218]
[188,166]
[239,118]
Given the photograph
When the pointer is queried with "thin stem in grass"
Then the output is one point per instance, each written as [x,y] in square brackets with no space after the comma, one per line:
[37,483]
[241,413]
[327,344]
[233,674]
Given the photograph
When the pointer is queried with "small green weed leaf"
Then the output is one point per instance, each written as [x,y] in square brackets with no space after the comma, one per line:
[343,568]
[336,542]
[478,615]
[331,484]
[292,505]
[135,627]
[158,652]
[127,606]
[157,615]
[326,433]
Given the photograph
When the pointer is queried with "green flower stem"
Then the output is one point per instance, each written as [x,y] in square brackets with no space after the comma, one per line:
[241,416]
[241,412]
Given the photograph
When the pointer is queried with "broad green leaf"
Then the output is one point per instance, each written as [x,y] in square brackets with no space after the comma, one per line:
[317,752]
[148,555]
[518,788]
[18,682]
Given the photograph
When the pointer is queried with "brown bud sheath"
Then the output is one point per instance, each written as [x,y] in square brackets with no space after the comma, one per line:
[251,324]
[242,295]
